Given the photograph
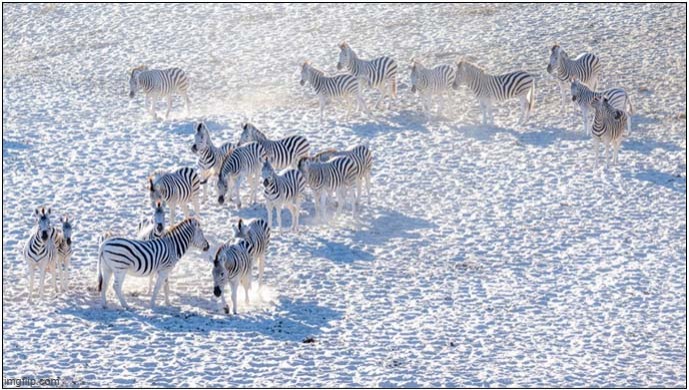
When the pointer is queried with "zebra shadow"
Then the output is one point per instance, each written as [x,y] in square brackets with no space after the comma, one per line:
[387,224]
[669,181]
[647,146]
[541,137]
[288,320]
[393,121]
[337,251]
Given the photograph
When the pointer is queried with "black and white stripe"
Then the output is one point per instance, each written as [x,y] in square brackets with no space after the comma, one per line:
[283,153]
[341,86]
[122,256]
[210,157]
[617,98]
[157,84]
[150,228]
[232,264]
[363,163]
[257,234]
[283,190]
[431,81]
[608,127]
[585,68]
[181,186]
[62,238]
[490,89]
[244,162]
[336,175]
[40,251]
[379,73]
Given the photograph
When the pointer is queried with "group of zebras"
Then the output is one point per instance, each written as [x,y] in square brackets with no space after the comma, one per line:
[286,167]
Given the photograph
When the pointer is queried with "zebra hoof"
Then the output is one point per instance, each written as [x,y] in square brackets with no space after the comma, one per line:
[226,309]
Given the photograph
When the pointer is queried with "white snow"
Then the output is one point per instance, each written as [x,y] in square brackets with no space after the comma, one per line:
[489,256]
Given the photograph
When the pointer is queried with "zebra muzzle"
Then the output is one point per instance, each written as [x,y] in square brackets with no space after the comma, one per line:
[44,236]
[193,148]
[216,291]
[413,88]
[221,199]
[69,241]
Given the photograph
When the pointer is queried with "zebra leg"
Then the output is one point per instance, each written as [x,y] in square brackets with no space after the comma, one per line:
[150,284]
[246,283]
[160,280]
[30,273]
[562,95]
[169,106]
[595,151]
[195,203]
[261,267]
[234,284]
[525,110]
[322,105]
[119,282]
[172,206]
[482,106]
[279,215]
[238,199]
[107,273]
[225,307]
[324,211]
[269,210]
[361,103]
[382,96]
[187,104]
[41,280]
[166,287]
[185,209]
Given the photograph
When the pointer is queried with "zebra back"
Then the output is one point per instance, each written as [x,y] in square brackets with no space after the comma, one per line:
[330,175]
[181,185]
[162,82]
[243,160]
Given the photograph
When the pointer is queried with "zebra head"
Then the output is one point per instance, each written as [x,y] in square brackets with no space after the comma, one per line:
[154,192]
[201,137]
[159,217]
[43,221]
[134,80]
[198,239]
[66,229]
[222,188]
[416,66]
[248,134]
[576,89]
[345,56]
[601,104]
[556,53]
[267,170]
[220,274]
[241,230]
[305,73]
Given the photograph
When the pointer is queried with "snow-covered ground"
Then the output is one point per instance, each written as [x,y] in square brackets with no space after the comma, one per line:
[489,256]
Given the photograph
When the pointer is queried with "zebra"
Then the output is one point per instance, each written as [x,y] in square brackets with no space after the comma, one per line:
[340,86]
[210,157]
[244,162]
[150,228]
[122,256]
[617,98]
[282,153]
[363,163]
[62,238]
[257,234]
[608,127]
[324,178]
[40,251]
[379,73]
[159,83]
[489,88]
[434,81]
[283,190]
[232,264]
[585,68]
[181,186]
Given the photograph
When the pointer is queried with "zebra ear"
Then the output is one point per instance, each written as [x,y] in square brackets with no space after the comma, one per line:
[215,261]
[49,211]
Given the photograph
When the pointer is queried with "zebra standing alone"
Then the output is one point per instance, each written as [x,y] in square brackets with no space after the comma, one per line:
[608,127]
[159,83]
[283,190]
[283,153]
[40,251]
[489,89]
[617,97]
[363,163]
[585,68]
[178,187]
[232,264]
[434,81]
[244,162]
[257,234]
[378,73]
[340,86]
[336,175]
[121,256]
[210,157]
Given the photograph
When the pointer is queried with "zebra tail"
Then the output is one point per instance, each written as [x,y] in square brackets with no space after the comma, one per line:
[100,266]
[631,108]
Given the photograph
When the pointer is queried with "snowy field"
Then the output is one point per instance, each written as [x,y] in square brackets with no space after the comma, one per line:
[489,256]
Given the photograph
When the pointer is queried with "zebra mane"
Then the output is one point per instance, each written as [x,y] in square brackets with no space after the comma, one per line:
[472,66]
[184,224]
[318,155]
[138,69]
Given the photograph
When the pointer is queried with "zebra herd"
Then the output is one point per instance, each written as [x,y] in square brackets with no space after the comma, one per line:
[286,168]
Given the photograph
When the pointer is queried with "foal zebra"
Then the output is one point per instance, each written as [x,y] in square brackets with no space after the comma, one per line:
[232,264]
[340,86]
[283,190]
[585,68]
[63,241]
[363,162]
[40,251]
[159,83]
[178,187]
[282,153]
[244,162]
[617,98]
[210,157]
[324,178]
[379,73]
[489,89]
[434,81]
[608,127]
[257,234]
[121,256]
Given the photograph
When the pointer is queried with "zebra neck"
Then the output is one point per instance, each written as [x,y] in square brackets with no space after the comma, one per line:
[180,239]
[358,66]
